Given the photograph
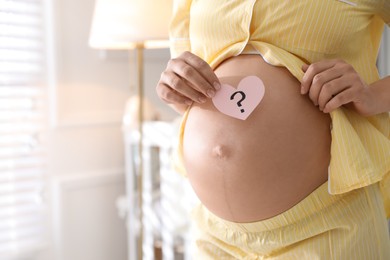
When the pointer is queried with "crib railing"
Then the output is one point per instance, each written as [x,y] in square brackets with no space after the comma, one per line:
[167,196]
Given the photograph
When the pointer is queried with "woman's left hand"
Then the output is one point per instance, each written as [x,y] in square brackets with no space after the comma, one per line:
[334,83]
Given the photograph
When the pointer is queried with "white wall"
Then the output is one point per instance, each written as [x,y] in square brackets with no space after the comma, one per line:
[87,99]
[384,54]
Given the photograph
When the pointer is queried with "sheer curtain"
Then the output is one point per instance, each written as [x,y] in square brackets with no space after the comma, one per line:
[22,127]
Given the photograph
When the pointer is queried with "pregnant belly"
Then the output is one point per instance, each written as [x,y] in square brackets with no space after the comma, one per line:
[253,169]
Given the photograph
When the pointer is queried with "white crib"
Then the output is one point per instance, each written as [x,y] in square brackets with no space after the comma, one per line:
[167,196]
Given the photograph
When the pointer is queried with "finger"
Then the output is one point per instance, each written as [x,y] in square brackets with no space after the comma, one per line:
[195,79]
[320,80]
[304,67]
[191,75]
[340,99]
[203,68]
[312,71]
[181,86]
[331,89]
[170,96]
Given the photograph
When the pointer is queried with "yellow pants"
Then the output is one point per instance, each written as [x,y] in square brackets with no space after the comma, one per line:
[349,226]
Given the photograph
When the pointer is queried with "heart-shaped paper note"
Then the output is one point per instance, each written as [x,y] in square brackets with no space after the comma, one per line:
[241,101]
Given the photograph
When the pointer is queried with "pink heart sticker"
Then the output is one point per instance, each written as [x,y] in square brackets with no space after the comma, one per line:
[241,101]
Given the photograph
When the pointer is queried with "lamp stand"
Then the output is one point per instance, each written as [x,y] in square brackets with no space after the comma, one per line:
[140,84]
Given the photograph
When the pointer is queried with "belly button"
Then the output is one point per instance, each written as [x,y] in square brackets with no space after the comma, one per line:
[220,151]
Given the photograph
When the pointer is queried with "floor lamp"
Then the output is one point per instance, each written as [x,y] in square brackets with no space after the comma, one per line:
[132,25]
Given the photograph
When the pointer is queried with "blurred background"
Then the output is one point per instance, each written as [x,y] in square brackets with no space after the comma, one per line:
[68,153]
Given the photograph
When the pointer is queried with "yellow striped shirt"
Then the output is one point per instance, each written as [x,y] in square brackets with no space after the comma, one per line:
[289,34]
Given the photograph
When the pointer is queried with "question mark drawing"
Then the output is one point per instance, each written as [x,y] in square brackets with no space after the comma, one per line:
[243,96]
[249,90]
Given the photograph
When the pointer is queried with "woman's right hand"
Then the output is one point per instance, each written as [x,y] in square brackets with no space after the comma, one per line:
[187,79]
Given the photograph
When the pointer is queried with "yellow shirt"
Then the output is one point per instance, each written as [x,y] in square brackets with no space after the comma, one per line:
[289,34]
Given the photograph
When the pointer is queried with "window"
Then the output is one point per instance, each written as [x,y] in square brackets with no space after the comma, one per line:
[22,126]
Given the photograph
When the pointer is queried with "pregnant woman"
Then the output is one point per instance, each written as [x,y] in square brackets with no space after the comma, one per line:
[307,174]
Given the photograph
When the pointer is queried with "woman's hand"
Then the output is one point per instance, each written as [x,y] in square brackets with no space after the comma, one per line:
[187,79]
[334,83]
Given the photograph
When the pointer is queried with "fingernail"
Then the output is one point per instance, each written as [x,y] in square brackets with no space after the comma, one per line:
[210,93]
[202,99]
[217,86]
[302,90]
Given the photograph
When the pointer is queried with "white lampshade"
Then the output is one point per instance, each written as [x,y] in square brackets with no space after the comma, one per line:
[121,24]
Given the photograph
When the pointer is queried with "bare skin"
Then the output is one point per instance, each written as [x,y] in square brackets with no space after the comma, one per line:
[334,83]
[246,171]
